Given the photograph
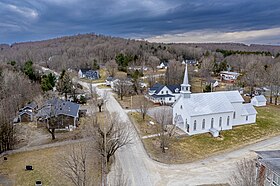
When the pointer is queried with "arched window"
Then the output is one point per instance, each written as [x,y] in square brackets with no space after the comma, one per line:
[234,115]
[194,125]
[212,123]
[220,122]
[228,121]
[247,117]
[203,124]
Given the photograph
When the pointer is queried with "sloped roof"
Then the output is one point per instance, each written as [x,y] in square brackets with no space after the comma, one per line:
[233,96]
[162,96]
[248,109]
[207,103]
[31,105]
[260,98]
[156,87]
[271,159]
[172,88]
[58,107]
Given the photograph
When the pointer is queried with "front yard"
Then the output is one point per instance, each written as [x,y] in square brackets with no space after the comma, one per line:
[190,148]
[45,164]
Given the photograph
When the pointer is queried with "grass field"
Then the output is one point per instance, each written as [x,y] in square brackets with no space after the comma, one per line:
[45,167]
[191,148]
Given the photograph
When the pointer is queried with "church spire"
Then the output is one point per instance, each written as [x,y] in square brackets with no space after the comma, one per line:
[186,87]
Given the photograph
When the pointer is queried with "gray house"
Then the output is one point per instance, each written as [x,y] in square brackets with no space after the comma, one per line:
[268,168]
[89,74]
[27,113]
[63,114]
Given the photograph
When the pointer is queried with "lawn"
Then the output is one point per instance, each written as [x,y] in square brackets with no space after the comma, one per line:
[190,148]
[45,167]
[132,102]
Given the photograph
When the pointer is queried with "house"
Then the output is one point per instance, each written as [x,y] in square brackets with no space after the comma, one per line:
[88,73]
[164,94]
[162,65]
[189,61]
[259,101]
[109,81]
[26,114]
[268,168]
[66,114]
[229,76]
[210,112]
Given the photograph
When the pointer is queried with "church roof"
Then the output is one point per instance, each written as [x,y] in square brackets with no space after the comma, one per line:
[233,96]
[209,103]
[248,109]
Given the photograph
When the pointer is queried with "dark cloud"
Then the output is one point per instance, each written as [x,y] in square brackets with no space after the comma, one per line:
[24,20]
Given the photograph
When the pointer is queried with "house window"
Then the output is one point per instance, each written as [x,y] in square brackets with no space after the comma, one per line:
[169,99]
[234,115]
[167,92]
[212,123]
[228,121]
[203,124]
[247,118]
[220,122]
[194,125]
[162,92]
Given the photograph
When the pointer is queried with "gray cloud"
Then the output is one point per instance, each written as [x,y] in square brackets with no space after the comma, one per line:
[24,20]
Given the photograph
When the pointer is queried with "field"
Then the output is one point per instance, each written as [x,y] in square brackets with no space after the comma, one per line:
[190,148]
[45,165]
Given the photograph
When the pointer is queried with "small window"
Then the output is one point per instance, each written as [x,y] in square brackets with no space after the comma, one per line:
[234,115]
[181,106]
[169,99]
[220,122]
[203,124]
[167,92]
[212,123]
[162,92]
[194,125]
[228,121]
[247,118]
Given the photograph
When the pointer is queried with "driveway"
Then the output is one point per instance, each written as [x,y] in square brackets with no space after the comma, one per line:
[141,170]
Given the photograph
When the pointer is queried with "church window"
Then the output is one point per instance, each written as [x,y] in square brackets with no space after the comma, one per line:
[234,115]
[247,118]
[203,124]
[212,123]
[194,125]
[181,106]
[228,121]
[220,122]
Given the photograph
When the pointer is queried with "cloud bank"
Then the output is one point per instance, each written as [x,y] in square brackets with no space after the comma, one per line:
[236,21]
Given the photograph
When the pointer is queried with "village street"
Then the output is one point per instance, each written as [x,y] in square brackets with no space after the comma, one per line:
[140,169]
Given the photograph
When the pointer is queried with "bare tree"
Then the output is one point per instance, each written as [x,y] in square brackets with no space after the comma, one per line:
[166,130]
[123,87]
[112,67]
[153,62]
[144,106]
[245,174]
[98,101]
[174,73]
[74,164]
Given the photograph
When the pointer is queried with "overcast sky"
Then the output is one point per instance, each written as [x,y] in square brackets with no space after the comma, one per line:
[247,21]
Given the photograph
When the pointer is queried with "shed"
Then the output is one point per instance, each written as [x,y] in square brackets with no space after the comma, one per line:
[259,101]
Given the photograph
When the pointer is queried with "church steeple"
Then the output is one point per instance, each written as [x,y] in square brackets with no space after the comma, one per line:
[186,87]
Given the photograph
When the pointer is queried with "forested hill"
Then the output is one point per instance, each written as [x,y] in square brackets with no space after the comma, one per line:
[82,50]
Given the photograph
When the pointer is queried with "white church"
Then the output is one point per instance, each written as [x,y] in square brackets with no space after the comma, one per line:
[210,112]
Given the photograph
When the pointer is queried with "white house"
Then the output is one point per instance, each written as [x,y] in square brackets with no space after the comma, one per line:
[259,101]
[164,94]
[162,65]
[210,112]
[229,76]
